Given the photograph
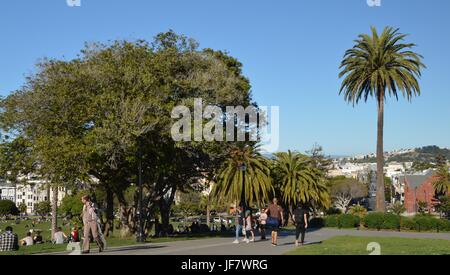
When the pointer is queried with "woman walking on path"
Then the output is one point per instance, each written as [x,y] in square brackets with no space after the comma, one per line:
[275,219]
[249,227]
[262,223]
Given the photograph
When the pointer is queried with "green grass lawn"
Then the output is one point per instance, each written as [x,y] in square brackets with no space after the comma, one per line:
[346,245]
[114,241]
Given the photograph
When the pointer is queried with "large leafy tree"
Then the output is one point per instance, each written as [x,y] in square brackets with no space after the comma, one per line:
[87,120]
[299,180]
[230,179]
[378,66]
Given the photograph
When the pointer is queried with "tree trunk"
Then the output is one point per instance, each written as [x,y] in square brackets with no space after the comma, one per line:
[380,156]
[109,226]
[54,211]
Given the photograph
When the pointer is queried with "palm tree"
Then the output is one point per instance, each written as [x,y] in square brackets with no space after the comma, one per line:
[300,182]
[379,66]
[258,183]
[442,183]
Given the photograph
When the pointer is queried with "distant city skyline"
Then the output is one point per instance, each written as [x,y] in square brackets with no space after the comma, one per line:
[291,51]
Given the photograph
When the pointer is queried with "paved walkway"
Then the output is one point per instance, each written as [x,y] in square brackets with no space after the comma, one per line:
[224,246]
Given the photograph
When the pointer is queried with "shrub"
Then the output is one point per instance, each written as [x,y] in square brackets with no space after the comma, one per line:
[374,220]
[443,225]
[348,221]
[391,221]
[407,224]
[332,221]
[316,223]
[424,222]
[8,207]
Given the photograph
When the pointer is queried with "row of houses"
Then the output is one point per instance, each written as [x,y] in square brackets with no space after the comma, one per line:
[29,190]
[408,188]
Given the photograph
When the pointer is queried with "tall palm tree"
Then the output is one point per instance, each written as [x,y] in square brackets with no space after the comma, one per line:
[300,182]
[258,183]
[442,183]
[379,66]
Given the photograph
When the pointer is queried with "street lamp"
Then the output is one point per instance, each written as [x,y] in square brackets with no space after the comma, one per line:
[140,238]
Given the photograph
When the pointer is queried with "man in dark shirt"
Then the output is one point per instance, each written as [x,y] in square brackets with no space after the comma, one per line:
[301,222]
[9,241]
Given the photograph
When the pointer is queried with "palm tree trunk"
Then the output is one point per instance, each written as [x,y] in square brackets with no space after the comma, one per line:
[380,156]
[54,210]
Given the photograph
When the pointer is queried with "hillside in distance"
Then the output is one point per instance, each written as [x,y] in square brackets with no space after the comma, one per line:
[427,154]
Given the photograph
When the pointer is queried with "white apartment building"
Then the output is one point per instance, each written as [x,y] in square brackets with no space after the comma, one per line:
[30,191]
[7,192]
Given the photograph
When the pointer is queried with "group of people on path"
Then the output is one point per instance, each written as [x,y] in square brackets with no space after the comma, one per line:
[9,241]
[270,218]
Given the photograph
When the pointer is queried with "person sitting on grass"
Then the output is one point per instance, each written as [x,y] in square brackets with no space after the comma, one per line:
[9,240]
[28,240]
[38,238]
[59,237]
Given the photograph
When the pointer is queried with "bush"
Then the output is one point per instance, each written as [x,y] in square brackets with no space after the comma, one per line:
[424,223]
[332,221]
[348,221]
[8,207]
[374,220]
[391,221]
[43,208]
[442,225]
[407,224]
[317,223]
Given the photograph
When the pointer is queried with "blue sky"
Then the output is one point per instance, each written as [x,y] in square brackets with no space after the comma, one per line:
[291,50]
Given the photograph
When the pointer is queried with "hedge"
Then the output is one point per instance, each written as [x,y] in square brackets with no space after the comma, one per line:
[374,220]
[332,221]
[391,221]
[381,221]
[348,221]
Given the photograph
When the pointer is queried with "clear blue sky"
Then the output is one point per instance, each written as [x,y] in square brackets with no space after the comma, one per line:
[291,51]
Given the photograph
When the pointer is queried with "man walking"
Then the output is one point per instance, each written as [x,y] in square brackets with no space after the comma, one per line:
[9,241]
[301,224]
[275,220]
[90,225]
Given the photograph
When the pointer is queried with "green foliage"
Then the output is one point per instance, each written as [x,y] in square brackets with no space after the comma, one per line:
[348,221]
[423,207]
[332,221]
[189,204]
[258,183]
[442,184]
[444,206]
[407,223]
[391,221]
[397,208]
[72,207]
[8,207]
[22,208]
[425,222]
[298,179]
[358,210]
[374,220]
[43,208]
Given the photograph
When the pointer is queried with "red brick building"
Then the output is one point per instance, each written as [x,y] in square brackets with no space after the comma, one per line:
[419,188]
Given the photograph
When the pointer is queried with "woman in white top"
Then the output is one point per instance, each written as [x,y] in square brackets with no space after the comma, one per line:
[28,240]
